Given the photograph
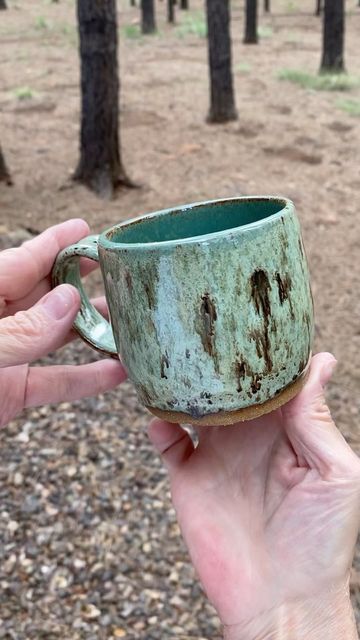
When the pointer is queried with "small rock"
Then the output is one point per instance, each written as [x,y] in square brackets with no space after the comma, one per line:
[71,471]
[90,612]
[9,564]
[127,610]
[79,564]
[13,526]
[46,569]
[147,548]
[61,580]
[30,505]
[176,601]
[18,479]
[106,620]
[174,576]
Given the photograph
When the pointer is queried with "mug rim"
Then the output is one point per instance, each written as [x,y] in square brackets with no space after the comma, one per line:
[106,242]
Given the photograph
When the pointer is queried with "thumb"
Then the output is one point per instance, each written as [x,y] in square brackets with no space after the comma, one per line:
[310,427]
[173,443]
[31,334]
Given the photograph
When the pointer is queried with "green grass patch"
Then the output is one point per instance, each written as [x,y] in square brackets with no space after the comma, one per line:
[242,67]
[193,24]
[41,23]
[292,38]
[291,6]
[265,32]
[321,82]
[69,31]
[132,31]
[24,93]
[352,107]
[66,29]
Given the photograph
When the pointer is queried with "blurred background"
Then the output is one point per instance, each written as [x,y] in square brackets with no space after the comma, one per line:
[89,544]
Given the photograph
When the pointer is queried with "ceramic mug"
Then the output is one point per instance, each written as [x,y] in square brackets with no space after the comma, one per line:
[210,305]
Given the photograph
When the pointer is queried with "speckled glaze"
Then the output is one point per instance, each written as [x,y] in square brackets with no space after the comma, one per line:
[207,323]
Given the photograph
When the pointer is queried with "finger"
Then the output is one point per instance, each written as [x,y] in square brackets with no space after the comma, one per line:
[173,443]
[41,289]
[31,334]
[87,266]
[12,392]
[101,306]
[69,382]
[309,425]
[9,308]
[23,267]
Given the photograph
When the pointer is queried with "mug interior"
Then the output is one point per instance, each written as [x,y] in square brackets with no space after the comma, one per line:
[195,220]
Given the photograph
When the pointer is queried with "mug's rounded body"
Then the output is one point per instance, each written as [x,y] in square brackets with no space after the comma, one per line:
[211,306]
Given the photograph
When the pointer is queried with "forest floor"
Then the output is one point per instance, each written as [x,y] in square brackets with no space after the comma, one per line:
[90,547]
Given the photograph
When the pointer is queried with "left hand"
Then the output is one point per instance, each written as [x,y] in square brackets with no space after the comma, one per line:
[37,320]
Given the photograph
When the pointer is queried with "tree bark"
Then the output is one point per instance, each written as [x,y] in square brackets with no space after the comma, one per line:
[171,11]
[267,6]
[3,4]
[333,37]
[185,4]
[148,24]
[251,36]
[4,172]
[100,167]
[319,7]
[222,99]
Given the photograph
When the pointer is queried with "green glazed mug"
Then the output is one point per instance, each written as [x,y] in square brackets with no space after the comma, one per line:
[210,306]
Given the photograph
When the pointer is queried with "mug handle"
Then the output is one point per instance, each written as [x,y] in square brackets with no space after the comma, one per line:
[89,323]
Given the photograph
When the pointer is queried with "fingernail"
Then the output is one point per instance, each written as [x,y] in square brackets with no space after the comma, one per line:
[330,368]
[59,302]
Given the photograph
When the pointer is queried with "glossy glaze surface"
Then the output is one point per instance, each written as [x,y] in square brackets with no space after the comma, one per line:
[216,323]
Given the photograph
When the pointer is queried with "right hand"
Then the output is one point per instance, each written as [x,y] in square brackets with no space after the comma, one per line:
[270,510]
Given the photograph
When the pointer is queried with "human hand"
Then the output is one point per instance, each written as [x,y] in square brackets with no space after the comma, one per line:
[37,320]
[270,510]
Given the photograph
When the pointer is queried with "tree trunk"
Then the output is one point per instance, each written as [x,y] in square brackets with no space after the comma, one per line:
[267,6]
[3,4]
[185,4]
[4,172]
[222,100]
[319,7]
[148,24]
[333,37]
[100,166]
[251,36]
[171,11]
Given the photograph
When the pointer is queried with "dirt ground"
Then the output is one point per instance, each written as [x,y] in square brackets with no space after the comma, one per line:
[288,141]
